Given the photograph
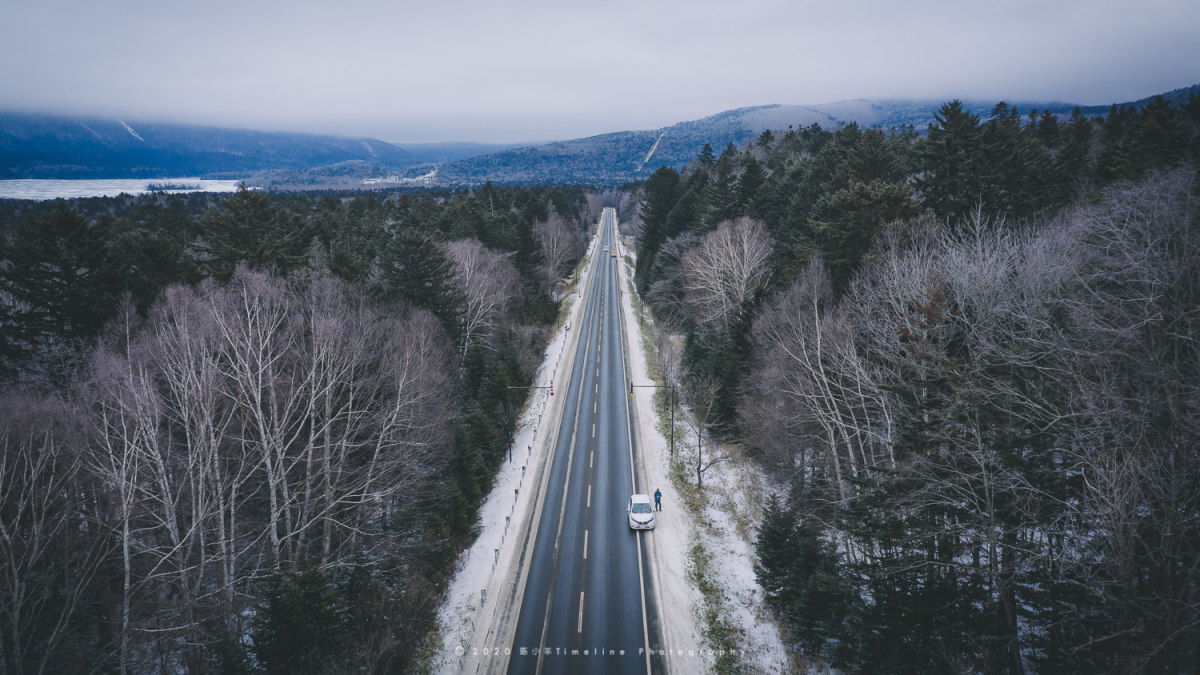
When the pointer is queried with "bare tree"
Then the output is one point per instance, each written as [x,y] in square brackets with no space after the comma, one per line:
[701,396]
[593,206]
[49,553]
[561,242]
[252,426]
[1136,365]
[812,358]
[489,284]
[727,268]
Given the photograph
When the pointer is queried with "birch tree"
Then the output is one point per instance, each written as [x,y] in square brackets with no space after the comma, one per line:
[489,285]
[726,270]
[50,550]
[561,243]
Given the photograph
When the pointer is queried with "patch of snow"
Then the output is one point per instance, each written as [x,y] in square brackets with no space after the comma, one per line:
[651,153]
[726,528]
[131,131]
[474,607]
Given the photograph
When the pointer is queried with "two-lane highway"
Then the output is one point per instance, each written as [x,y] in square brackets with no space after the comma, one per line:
[585,606]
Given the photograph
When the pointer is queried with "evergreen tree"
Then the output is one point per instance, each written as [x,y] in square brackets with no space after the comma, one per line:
[301,625]
[1116,130]
[248,228]
[1073,165]
[722,190]
[1049,131]
[706,156]
[57,272]
[798,569]
[414,268]
[1157,140]
[874,157]
[659,195]
[145,260]
[845,222]
[951,184]
[749,183]
[1014,167]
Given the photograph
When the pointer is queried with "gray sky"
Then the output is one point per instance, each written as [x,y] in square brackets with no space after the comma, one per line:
[529,70]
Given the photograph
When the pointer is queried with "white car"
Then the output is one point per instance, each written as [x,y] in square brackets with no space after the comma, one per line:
[641,512]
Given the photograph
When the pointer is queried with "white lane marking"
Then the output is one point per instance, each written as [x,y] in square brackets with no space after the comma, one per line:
[589,505]
[579,628]
[642,586]
[633,480]
[593,430]
[594,404]
[591,456]
[585,535]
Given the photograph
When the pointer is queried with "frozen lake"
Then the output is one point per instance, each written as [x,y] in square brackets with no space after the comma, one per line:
[42,189]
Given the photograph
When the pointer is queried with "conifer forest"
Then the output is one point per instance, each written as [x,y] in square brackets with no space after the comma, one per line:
[252,432]
[971,359]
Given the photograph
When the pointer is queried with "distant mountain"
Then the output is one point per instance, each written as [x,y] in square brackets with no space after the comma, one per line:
[38,146]
[1177,97]
[41,146]
[634,155]
[631,155]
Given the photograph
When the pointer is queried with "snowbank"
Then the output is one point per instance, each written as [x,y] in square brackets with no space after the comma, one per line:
[475,605]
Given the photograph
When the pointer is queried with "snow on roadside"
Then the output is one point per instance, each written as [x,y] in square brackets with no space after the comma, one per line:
[726,528]
[464,641]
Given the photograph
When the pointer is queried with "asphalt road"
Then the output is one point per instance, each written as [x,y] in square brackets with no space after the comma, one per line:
[585,607]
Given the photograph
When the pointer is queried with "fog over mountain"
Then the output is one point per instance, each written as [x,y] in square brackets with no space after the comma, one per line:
[42,146]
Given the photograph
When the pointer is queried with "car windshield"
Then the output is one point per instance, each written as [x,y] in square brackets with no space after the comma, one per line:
[641,508]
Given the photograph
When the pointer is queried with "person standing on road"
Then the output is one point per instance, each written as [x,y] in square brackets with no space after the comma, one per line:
[657,500]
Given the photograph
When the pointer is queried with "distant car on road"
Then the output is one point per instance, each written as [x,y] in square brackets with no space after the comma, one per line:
[606,249]
[641,512]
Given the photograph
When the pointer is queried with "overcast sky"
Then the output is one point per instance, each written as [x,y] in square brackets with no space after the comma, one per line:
[526,70]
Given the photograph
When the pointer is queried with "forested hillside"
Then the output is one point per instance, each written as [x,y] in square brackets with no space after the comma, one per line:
[251,433]
[971,358]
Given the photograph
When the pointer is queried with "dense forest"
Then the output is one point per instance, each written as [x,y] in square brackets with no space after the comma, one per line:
[971,359]
[251,433]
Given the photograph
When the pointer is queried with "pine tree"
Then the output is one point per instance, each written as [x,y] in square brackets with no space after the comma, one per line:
[749,183]
[413,268]
[1073,165]
[301,625]
[57,272]
[248,228]
[722,190]
[951,184]
[845,222]
[1049,131]
[659,195]
[1157,140]
[146,260]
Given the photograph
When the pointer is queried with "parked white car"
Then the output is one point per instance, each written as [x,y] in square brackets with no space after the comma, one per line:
[641,512]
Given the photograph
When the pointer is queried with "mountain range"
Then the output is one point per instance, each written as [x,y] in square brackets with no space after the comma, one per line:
[46,146]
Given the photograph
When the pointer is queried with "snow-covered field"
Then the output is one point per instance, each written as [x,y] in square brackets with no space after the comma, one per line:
[476,605]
